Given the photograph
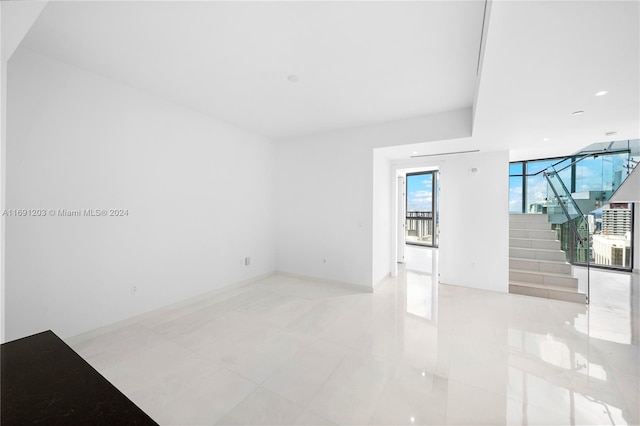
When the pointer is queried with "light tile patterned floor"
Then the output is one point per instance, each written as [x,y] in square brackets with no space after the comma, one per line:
[285,350]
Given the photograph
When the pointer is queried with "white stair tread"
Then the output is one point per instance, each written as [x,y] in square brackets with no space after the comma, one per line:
[548,274]
[558,262]
[523,226]
[531,239]
[531,217]
[546,286]
[544,234]
[547,231]
[538,249]
[515,223]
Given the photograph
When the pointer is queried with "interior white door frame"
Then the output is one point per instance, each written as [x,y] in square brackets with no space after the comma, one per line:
[400,169]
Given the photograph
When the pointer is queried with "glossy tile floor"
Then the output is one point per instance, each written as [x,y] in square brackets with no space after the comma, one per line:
[285,350]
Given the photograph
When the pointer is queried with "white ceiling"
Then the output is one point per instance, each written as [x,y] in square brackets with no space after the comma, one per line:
[361,63]
[545,60]
[358,63]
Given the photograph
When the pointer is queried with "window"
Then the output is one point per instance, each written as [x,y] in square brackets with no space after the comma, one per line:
[422,209]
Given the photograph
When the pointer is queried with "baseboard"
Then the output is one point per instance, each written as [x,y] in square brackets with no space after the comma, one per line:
[201,298]
[379,283]
[359,288]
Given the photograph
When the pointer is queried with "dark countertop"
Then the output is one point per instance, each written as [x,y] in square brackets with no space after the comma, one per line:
[44,381]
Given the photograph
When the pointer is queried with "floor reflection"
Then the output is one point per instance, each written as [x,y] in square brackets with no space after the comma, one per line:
[537,361]
[421,282]
[293,350]
[613,311]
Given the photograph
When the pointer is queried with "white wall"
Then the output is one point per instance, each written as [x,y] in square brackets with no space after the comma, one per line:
[200,195]
[15,20]
[330,225]
[474,237]
[324,211]
[383,216]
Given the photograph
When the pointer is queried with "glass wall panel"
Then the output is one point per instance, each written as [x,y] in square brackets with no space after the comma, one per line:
[516,172]
[537,194]
[603,173]
[515,194]
[588,175]
[611,240]
[516,169]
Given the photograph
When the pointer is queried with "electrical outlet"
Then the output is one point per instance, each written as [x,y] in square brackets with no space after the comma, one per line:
[247,261]
[134,289]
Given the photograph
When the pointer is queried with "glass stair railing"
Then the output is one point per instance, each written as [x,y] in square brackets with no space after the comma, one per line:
[573,231]
[600,169]
[579,188]
[590,177]
[574,192]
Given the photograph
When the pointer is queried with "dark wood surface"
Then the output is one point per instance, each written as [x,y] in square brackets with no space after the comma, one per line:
[44,381]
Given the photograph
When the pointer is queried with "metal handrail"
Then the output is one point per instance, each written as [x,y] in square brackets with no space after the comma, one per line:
[591,154]
[564,208]
[594,155]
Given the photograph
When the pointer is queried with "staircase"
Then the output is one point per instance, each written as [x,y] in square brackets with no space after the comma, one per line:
[537,265]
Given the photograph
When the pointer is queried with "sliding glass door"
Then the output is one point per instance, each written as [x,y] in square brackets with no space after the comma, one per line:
[422,209]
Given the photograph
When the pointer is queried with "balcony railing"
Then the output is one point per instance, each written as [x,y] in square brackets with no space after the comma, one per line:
[419,228]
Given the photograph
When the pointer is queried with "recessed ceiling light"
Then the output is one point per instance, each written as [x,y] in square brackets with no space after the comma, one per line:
[414,153]
[292,78]
[545,139]
[577,112]
[611,133]
[602,93]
